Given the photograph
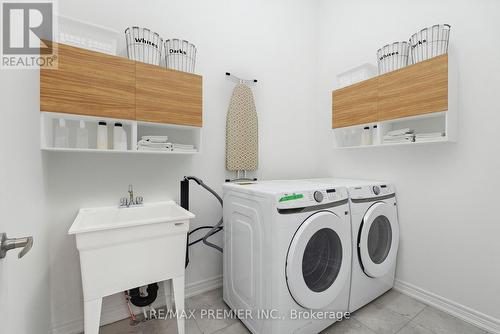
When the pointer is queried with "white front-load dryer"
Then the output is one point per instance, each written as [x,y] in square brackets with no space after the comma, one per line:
[375,236]
[287,255]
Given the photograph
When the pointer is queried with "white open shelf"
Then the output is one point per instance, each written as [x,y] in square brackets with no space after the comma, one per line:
[179,134]
[445,121]
[350,137]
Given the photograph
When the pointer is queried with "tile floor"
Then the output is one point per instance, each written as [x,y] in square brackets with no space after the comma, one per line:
[391,313]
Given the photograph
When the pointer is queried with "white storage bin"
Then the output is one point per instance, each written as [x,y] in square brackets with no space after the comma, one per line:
[357,74]
[430,42]
[393,56]
[87,35]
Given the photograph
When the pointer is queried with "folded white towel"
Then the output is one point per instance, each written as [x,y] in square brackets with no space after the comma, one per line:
[184,150]
[184,146]
[399,132]
[429,135]
[155,139]
[148,148]
[146,143]
[399,139]
[407,136]
[426,140]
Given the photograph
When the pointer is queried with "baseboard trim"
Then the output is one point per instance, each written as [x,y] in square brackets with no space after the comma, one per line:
[196,288]
[460,311]
[116,312]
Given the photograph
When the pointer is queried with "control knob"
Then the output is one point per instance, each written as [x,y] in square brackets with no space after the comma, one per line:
[376,190]
[318,196]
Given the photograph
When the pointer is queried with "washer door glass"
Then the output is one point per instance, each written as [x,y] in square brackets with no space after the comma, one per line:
[318,260]
[322,260]
[378,239]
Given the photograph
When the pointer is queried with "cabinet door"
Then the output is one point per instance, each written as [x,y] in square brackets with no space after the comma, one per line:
[414,90]
[355,104]
[89,83]
[168,96]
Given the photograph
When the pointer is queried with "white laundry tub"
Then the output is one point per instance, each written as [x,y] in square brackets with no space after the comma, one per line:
[123,248]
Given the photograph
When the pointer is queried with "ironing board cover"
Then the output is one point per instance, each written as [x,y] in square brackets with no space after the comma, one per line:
[242,135]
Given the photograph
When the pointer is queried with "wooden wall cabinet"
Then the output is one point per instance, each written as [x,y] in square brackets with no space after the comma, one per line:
[356,104]
[168,96]
[89,83]
[94,84]
[415,90]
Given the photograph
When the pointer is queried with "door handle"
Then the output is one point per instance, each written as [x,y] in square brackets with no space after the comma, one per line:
[7,244]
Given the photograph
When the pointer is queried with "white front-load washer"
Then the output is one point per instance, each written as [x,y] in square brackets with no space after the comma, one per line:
[287,254]
[375,236]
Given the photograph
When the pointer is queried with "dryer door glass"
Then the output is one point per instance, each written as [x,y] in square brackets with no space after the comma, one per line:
[379,239]
[322,260]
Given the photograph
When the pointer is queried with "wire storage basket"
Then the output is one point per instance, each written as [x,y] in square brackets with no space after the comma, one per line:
[393,56]
[430,42]
[143,45]
[180,55]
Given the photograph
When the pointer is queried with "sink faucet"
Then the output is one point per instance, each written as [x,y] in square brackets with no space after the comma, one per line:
[131,194]
[130,201]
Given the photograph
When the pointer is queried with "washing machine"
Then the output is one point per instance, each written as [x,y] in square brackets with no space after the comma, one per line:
[287,255]
[375,236]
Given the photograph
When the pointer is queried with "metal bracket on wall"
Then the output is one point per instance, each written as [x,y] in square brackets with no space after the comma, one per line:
[240,80]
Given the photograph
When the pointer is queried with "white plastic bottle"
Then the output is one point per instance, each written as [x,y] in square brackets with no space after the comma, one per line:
[119,137]
[102,136]
[82,136]
[366,136]
[62,134]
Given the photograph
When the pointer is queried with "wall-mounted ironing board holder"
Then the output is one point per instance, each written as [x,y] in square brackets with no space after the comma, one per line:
[241,176]
[239,80]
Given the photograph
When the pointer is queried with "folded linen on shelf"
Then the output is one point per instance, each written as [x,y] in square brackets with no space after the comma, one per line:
[183,146]
[155,139]
[146,143]
[148,148]
[399,139]
[398,132]
[407,136]
[185,150]
[429,135]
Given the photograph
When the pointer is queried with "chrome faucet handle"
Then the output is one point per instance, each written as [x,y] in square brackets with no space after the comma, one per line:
[139,200]
[123,201]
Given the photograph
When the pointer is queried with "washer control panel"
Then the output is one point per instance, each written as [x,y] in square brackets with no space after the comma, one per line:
[371,191]
[300,199]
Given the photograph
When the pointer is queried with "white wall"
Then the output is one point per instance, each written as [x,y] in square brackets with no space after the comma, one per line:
[267,40]
[447,193]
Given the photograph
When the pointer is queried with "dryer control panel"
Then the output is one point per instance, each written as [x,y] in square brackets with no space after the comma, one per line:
[301,199]
[371,191]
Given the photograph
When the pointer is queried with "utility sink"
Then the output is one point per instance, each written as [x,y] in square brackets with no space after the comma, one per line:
[113,217]
[124,248]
